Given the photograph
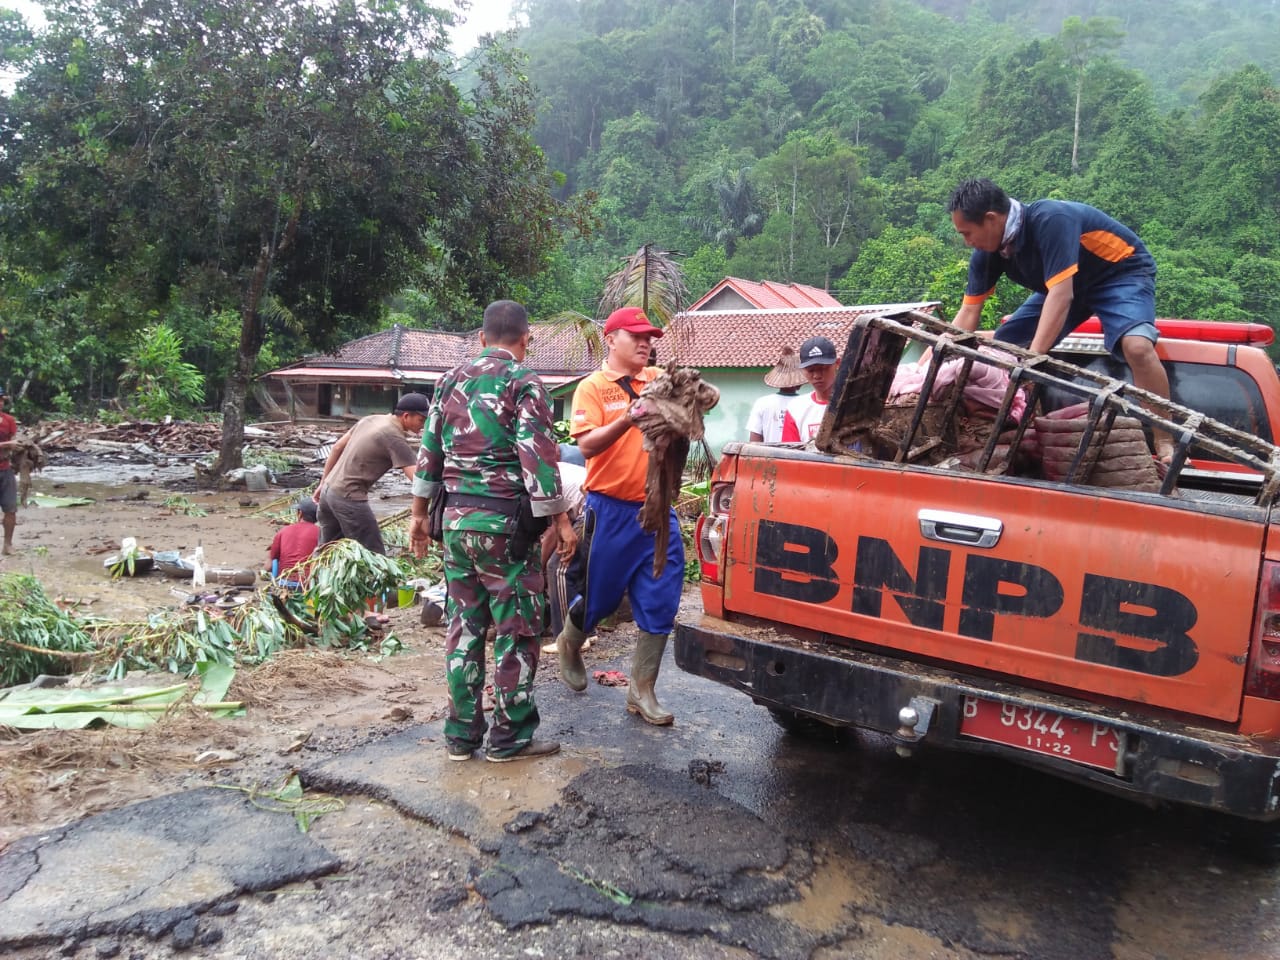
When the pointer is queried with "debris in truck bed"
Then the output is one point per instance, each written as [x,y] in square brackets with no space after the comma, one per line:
[1102,441]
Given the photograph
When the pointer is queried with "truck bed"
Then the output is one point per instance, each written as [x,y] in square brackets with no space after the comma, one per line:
[899,574]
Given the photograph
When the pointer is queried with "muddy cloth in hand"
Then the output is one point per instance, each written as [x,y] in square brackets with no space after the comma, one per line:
[668,414]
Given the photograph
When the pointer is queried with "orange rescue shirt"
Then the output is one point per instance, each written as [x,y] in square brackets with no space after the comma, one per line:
[620,470]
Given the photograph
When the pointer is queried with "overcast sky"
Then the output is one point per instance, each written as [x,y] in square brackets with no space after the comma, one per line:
[485,16]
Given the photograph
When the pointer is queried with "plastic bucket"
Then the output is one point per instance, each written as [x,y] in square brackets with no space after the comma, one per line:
[406,596]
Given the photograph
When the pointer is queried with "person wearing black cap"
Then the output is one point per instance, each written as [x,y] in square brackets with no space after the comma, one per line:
[8,482]
[769,412]
[376,444]
[294,543]
[804,416]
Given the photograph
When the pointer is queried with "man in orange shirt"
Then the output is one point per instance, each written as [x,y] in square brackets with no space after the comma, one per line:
[620,558]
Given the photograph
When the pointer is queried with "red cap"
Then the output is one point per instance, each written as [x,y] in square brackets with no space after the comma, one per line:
[632,320]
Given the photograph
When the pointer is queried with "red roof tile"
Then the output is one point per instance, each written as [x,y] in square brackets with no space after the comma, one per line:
[706,339]
[768,295]
[754,338]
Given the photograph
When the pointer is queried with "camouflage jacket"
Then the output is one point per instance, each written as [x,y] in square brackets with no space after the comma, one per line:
[489,434]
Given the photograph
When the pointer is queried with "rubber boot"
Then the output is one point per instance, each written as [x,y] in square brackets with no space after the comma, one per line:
[569,646]
[645,663]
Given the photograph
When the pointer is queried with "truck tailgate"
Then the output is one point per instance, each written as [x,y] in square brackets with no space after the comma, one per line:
[1126,596]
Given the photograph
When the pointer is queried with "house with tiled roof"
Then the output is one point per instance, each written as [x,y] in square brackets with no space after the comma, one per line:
[734,293]
[734,349]
[368,375]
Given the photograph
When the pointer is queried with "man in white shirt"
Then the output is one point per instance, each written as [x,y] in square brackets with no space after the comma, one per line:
[804,415]
[767,413]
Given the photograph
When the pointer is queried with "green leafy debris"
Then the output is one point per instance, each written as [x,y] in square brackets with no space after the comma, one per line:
[289,797]
[64,708]
[36,636]
[603,887]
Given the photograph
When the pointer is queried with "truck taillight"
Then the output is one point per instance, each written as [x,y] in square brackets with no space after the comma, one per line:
[709,535]
[1264,653]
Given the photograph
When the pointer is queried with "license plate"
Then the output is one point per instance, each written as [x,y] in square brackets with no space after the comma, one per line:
[1040,731]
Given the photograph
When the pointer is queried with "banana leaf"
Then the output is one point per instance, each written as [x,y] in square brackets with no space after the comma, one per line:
[120,706]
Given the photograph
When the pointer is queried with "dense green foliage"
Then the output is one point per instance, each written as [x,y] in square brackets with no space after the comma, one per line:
[264,180]
[252,176]
[818,140]
[30,625]
[156,381]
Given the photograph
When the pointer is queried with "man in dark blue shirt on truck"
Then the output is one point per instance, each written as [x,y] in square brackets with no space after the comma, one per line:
[1078,262]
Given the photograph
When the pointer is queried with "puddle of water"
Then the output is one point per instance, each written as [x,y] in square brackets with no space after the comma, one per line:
[838,885]
[881,941]
[111,474]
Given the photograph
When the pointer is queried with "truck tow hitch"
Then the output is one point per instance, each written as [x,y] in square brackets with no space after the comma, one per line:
[913,724]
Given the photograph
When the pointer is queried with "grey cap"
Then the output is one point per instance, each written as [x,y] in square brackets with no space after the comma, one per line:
[817,350]
[413,403]
[307,507]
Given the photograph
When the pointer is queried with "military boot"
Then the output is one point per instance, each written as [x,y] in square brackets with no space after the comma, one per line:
[645,663]
[569,646]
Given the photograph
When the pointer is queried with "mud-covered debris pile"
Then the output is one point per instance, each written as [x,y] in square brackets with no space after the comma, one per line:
[173,438]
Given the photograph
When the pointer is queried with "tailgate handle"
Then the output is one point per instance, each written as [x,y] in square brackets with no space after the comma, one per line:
[962,528]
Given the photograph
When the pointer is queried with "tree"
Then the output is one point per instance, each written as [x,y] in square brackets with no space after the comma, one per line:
[314,156]
[156,378]
[1018,129]
[1233,195]
[1131,173]
[650,279]
[736,212]
[1082,40]
[895,267]
[815,190]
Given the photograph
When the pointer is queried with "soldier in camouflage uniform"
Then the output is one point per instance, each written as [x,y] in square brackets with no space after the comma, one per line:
[487,444]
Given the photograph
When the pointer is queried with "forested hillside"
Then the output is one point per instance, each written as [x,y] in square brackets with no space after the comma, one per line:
[817,140]
[192,191]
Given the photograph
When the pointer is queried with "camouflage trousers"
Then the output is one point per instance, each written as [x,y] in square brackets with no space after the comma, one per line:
[486,587]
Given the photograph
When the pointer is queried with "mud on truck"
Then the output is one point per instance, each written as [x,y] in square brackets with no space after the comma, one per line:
[979,553]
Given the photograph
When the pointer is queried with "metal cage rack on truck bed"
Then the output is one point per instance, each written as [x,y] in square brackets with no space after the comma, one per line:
[875,348]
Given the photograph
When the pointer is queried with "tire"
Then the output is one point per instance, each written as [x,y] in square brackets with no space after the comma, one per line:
[809,728]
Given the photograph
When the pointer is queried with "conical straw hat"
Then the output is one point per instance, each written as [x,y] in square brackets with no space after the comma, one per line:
[786,372]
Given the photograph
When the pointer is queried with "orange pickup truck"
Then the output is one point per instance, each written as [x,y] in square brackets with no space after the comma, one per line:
[1128,638]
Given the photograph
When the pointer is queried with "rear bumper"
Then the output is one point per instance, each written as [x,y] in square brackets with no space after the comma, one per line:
[1159,758]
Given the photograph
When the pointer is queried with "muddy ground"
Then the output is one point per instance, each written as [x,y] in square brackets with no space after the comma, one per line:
[55,776]
[304,707]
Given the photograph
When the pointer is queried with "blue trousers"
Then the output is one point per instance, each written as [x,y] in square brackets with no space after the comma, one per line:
[620,562]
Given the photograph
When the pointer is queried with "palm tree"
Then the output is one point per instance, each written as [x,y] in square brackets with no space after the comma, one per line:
[738,214]
[649,279]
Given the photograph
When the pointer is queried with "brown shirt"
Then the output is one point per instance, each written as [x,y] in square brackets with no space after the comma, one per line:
[377,444]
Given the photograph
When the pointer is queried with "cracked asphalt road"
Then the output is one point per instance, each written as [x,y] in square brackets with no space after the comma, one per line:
[719,838]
